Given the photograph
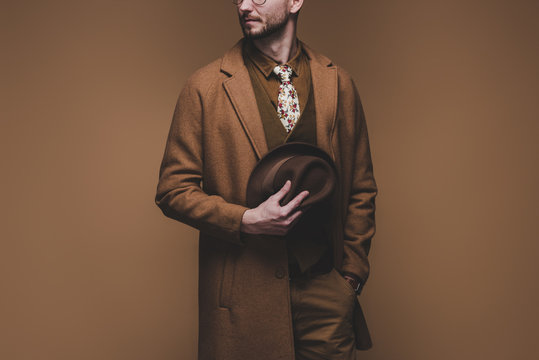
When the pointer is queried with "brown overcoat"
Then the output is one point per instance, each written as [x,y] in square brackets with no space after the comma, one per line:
[215,140]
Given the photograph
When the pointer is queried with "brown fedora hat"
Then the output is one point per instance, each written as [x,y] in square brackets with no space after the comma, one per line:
[307,167]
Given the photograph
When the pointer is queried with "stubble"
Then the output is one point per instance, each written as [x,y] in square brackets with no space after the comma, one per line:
[273,24]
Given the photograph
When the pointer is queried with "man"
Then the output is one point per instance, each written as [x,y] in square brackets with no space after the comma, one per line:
[254,300]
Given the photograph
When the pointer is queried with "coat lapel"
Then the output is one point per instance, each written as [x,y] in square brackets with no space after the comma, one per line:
[325,87]
[241,94]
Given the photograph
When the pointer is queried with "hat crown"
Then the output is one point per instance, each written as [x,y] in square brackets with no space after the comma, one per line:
[305,172]
[306,166]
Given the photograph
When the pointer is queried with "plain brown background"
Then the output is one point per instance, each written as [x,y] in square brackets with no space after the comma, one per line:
[90,267]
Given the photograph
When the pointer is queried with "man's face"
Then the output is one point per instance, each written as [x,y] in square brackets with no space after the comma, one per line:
[258,21]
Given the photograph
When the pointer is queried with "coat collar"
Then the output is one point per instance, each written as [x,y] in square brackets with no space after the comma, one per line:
[241,94]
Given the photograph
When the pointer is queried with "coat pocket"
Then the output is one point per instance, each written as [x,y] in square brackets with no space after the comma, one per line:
[227,279]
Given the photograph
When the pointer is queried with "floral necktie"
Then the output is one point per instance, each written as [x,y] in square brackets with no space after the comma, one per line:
[288,103]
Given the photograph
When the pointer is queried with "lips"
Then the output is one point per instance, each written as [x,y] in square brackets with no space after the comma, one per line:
[249,20]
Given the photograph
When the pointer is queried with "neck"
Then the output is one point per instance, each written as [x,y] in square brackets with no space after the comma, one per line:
[279,46]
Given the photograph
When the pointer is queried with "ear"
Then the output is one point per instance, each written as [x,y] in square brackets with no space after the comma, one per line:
[295,6]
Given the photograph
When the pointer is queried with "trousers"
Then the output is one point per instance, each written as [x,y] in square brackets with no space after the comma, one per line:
[322,317]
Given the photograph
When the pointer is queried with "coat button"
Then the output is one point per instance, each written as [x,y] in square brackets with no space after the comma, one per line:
[280,273]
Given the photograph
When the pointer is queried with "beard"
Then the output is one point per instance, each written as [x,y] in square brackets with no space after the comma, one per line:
[272,25]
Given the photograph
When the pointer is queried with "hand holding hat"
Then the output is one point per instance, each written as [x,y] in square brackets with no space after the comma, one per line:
[270,218]
[280,183]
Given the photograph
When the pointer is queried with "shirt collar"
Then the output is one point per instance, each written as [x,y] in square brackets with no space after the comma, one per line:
[266,64]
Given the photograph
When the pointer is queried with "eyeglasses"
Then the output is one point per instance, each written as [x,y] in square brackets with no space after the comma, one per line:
[256,2]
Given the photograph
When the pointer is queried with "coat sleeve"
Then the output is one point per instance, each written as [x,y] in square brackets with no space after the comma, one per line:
[359,224]
[179,191]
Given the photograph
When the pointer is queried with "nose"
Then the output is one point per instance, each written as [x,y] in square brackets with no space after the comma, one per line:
[245,6]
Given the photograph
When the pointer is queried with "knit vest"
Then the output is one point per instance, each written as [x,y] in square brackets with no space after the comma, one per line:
[306,244]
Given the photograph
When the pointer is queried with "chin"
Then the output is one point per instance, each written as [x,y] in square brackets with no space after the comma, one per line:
[252,34]
[250,31]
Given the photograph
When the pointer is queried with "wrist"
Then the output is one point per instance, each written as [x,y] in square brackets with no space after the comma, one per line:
[247,221]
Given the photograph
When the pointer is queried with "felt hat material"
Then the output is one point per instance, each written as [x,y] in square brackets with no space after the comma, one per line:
[306,166]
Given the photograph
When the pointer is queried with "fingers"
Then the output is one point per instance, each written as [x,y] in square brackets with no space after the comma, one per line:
[295,202]
[282,192]
[275,219]
[293,219]
[283,218]
[287,224]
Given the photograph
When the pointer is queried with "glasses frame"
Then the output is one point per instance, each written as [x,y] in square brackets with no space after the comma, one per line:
[256,2]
